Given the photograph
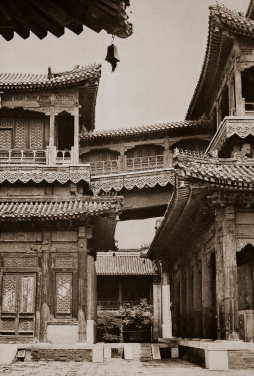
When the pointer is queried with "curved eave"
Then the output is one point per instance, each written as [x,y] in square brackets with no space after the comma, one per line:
[250,10]
[43,16]
[218,48]
[178,227]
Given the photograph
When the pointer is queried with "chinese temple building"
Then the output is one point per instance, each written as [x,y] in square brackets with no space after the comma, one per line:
[51,224]
[206,238]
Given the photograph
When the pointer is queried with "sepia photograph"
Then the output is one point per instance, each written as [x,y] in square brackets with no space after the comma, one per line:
[126,187]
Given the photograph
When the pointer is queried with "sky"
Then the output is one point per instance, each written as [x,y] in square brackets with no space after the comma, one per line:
[154,82]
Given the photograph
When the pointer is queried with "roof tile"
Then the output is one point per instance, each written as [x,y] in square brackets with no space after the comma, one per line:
[123,263]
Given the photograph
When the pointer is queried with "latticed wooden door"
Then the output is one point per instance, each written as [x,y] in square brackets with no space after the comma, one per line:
[18,304]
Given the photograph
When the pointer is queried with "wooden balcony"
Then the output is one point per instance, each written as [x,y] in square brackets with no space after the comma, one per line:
[129,165]
[144,163]
[14,156]
[105,167]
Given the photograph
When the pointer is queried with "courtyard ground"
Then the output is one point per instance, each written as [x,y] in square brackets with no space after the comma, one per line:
[175,367]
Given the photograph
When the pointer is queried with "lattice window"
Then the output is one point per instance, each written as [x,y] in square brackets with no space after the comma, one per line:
[26,325]
[5,138]
[9,292]
[27,294]
[36,134]
[20,138]
[64,293]
[8,324]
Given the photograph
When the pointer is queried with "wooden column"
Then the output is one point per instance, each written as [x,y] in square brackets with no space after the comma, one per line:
[82,285]
[190,306]
[76,136]
[45,287]
[167,154]
[240,111]
[183,302]
[52,137]
[208,310]
[120,292]
[226,275]
[156,308]
[121,158]
[166,323]
[197,298]
[91,300]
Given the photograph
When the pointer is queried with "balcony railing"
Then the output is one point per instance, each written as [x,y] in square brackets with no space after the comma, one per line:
[144,163]
[63,156]
[108,305]
[104,167]
[23,156]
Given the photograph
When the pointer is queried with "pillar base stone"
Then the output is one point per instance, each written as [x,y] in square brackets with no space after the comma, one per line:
[91,331]
[166,330]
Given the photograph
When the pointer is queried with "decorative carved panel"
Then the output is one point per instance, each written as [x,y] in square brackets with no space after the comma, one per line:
[20,262]
[26,325]
[64,293]
[63,262]
[8,324]
[6,123]
[27,294]
[20,137]
[9,292]
[5,138]
[36,134]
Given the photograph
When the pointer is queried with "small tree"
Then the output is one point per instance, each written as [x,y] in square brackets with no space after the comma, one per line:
[109,327]
[139,316]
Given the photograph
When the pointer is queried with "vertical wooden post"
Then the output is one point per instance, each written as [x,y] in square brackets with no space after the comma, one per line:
[51,137]
[226,275]
[167,154]
[120,292]
[165,300]
[208,311]
[121,159]
[91,300]
[190,306]
[183,302]
[82,285]
[156,308]
[238,82]
[76,135]
[45,287]
[197,298]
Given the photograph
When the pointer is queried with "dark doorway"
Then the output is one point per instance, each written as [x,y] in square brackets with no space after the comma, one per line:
[65,131]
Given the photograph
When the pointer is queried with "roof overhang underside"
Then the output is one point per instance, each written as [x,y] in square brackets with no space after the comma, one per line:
[41,16]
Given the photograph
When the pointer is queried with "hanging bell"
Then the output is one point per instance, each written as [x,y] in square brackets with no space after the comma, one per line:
[112,56]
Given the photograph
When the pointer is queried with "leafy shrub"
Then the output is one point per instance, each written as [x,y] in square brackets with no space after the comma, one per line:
[139,316]
[109,327]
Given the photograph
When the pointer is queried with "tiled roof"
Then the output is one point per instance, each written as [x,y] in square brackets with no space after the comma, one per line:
[123,263]
[41,16]
[54,209]
[229,172]
[19,81]
[218,48]
[144,130]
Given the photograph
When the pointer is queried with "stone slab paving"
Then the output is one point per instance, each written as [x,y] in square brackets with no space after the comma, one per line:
[113,367]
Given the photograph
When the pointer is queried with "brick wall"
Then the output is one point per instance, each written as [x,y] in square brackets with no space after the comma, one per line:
[64,355]
[240,359]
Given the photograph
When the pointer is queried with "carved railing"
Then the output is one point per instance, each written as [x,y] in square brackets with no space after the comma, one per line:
[249,108]
[63,157]
[144,163]
[14,156]
[104,167]
[107,305]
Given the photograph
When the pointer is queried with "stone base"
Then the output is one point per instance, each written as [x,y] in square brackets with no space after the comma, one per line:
[7,353]
[62,334]
[166,330]
[91,331]
[218,355]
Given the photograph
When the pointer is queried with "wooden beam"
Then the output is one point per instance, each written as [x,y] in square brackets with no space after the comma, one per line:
[9,16]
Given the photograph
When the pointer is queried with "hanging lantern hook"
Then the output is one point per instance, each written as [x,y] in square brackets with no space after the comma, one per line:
[113,37]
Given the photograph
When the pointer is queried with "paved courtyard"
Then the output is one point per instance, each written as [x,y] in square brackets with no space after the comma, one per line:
[115,367]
